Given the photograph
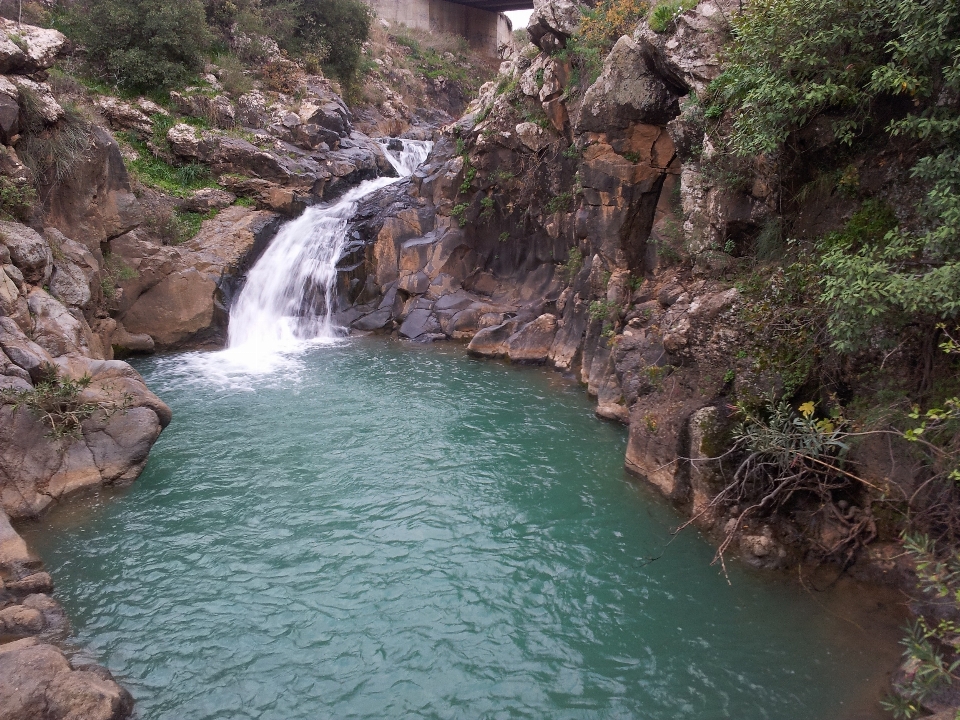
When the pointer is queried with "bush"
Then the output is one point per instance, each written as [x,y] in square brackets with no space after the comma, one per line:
[333,31]
[665,14]
[796,60]
[604,24]
[141,44]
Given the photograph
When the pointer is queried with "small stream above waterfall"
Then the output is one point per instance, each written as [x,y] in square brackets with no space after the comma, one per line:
[288,296]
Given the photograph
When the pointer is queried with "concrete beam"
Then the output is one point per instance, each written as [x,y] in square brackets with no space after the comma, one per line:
[483,29]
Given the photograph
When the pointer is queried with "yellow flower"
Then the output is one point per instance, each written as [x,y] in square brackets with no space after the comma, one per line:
[807,409]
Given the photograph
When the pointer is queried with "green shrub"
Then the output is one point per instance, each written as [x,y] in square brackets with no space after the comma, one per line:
[55,402]
[17,199]
[141,44]
[665,14]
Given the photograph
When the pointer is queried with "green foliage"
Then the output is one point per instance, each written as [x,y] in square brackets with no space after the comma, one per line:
[559,203]
[469,175]
[793,61]
[573,265]
[604,24]
[460,213]
[786,325]
[930,642]
[156,172]
[141,44]
[665,14]
[17,199]
[488,204]
[56,402]
[114,272]
[504,236]
[332,30]
[52,153]
[602,309]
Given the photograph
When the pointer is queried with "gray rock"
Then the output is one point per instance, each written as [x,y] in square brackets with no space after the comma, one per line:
[627,91]
[532,343]
[420,322]
[23,351]
[55,328]
[28,251]
[39,683]
[69,284]
[491,341]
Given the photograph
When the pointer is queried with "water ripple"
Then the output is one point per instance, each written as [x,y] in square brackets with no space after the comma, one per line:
[374,531]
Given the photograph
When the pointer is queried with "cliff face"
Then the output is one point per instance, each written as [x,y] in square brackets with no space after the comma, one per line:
[584,225]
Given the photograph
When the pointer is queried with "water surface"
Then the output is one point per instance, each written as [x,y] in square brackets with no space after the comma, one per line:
[377,530]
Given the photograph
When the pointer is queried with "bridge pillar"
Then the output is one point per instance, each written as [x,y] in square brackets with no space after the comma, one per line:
[484,30]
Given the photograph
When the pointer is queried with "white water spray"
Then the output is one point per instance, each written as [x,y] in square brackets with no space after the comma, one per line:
[290,293]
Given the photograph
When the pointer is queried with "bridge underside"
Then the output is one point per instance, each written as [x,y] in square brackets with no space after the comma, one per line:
[497,6]
[481,22]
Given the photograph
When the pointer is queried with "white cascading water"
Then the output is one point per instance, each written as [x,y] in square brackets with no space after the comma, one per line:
[289,295]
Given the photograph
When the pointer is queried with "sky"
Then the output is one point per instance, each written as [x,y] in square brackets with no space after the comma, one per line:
[519,18]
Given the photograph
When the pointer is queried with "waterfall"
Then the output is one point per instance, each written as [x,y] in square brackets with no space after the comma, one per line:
[289,295]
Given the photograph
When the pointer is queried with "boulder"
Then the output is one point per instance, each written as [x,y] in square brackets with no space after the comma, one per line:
[533,136]
[39,683]
[122,115]
[24,353]
[39,47]
[552,22]
[29,252]
[419,322]
[175,309]
[532,343]
[13,303]
[69,284]
[55,328]
[206,199]
[628,91]
[491,341]
[9,111]
[13,549]
[43,102]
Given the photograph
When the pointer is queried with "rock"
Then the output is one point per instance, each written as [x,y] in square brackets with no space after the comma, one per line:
[24,352]
[13,304]
[120,448]
[94,203]
[39,683]
[122,115]
[125,343]
[207,199]
[551,22]
[43,102]
[217,110]
[532,343]
[40,46]
[9,111]
[40,582]
[28,251]
[627,91]
[69,284]
[20,621]
[13,549]
[174,309]
[419,322]
[55,329]
[491,341]
[533,136]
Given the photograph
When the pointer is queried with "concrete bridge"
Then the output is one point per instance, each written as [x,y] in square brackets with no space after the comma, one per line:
[481,22]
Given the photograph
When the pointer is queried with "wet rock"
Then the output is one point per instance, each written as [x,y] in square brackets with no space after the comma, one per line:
[492,341]
[127,343]
[20,621]
[40,582]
